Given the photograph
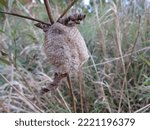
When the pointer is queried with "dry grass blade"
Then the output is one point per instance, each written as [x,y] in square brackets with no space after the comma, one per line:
[119,45]
[30,104]
[64,100]
[81,91]
[101,31]
[118,58]
[143,108]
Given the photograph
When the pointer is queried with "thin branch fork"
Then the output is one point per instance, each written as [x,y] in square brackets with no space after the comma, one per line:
[48,9]
[66,10]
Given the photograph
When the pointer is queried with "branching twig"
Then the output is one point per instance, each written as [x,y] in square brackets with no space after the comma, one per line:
[65,11]
[48,9]
[26,17]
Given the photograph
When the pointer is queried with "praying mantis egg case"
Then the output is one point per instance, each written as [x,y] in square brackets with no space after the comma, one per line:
[65,48]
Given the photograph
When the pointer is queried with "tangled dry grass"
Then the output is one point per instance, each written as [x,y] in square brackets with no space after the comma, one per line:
[115,79]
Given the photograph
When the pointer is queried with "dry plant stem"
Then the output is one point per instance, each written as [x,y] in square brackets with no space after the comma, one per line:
[26,17]
[119,45]
[99,87]
[102,41]
[81,91]
[48,9]
[130,58]
[81,94]
[126,71]
[27,101]
[30,88]
[134,44]
[71,93]
[65,103]
[102,38]
[143,108]
[65,11]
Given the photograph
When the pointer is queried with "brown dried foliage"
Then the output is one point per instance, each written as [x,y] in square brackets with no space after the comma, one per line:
[72,19]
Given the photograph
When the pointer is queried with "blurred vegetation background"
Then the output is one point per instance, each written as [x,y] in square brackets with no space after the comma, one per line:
[116,77]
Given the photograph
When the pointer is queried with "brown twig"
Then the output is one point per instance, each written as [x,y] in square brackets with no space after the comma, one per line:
[71,93]
[48,9]
[65,11]
[81,90]
[26,17]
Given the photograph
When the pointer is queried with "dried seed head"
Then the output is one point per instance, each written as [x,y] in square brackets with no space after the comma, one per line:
[73,19]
